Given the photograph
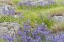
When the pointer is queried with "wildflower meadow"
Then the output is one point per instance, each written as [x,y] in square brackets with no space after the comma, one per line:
[31,20]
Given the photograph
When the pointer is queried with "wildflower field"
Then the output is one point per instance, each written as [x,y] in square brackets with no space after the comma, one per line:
[31,20]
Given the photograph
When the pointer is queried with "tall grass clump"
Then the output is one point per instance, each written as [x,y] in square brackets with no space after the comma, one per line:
[47,20]
[9,18]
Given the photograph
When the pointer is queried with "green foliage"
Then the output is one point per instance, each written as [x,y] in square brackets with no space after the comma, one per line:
[16,1]
[1,40]
[47,20]
[10,19]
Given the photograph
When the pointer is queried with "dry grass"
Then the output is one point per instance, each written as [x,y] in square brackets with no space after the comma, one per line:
[58,27]
[57,13]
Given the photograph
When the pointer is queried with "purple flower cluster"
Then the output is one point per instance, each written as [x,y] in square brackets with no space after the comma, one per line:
[8,10]
[55,37]
[41,3]
[38,34]
[25,3]
[8,38]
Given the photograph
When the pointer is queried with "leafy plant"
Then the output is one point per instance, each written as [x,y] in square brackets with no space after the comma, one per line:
[46,19]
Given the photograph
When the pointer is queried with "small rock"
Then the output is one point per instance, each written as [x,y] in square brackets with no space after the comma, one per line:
[58,18]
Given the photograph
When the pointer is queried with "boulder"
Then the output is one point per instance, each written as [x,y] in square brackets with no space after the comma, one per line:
[9,28]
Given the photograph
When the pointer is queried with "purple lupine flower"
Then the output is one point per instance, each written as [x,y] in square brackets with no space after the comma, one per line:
[24,38]
[34,33]
[10,38]
[25,25]
[7,37]
[8,11]
[29,27]
[44,32]
[28,3]
[27,32]
[57,37]
[44,3]
[4,37]
[19,32]
[39,39]
[61,40]
[41,28]
[20,3]
[24,3]
[29,39]
[11,11]
[49,37]
[61,36]
[41,3]
[4,11]
[23,33]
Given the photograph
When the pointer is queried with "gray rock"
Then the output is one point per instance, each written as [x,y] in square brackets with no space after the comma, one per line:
[58,18]
[3,30]
[16,28]
[4,24]
[11,32]
[9,28]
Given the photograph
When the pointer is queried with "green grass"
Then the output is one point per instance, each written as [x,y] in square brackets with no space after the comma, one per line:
[59,0]
[1,40]
[34,14]
[10,19]
[15,1]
